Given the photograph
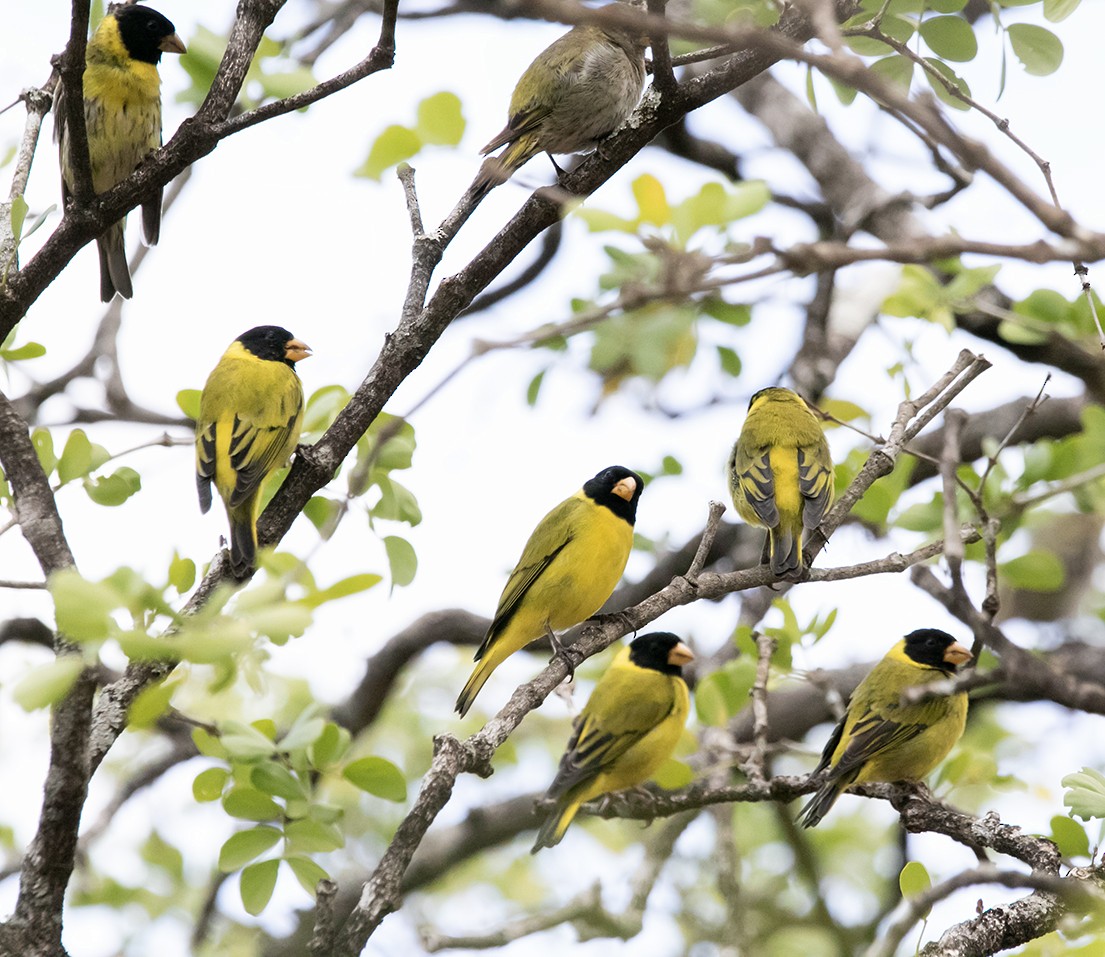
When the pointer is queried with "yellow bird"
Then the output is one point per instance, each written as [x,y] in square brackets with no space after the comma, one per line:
[882,738]
[630,726]
[569,567]
[122,114]
[251,411]
[781,476]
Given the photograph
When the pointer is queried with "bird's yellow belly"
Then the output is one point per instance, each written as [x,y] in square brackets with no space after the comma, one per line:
[914,759]
[788,499]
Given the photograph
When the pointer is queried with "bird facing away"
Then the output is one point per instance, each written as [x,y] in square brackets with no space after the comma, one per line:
[122,114]
[569,567]
[882,738]
[781,476]
[577,91]
[630,726]
[251,411]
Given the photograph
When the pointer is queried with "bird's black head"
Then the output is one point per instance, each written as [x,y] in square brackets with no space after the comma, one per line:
[661,651]
[146,33]
[274,344]
[618,489]
[933,648]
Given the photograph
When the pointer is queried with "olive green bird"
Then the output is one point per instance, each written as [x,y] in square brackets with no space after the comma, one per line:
[629,727]
[569,567]
[122,115]
[577,92]
[251,411]
[781,476]
[883,738]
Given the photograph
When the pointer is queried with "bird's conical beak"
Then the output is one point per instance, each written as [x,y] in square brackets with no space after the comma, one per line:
[172,44]
[294,350]
[680,655]
[625,488]
[957,654]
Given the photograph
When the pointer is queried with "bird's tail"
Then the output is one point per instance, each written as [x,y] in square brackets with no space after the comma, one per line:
[151,220]
[114,271]
[243,539]
[818,805]
[556,823]
[786,552]
[496,170]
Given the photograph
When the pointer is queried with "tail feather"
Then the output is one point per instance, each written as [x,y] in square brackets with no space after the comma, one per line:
[786,552]
[114,271]
[476,681]
[818,806]
[243,546]
[555,825]
[151,220]
[496,170]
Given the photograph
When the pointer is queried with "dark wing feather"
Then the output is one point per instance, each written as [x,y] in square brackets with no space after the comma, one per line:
[757,481]
[254,452]
[815,482]
[871,736]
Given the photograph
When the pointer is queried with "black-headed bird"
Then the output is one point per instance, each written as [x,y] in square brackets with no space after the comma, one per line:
[629,727]
[781,475]
[569,567]
[883,738]
[576,92]
[122,114]
[251,411]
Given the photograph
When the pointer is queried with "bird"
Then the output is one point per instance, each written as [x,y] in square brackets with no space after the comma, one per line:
[883,738]
[629,727]
[569,567]
[122,115]
[781,476]
[251,412]
[575,93]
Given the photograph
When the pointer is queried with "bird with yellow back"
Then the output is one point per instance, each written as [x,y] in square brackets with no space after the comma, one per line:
[781,476]
[122,116]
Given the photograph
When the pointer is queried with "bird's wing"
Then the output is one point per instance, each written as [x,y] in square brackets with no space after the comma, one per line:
[752,467]
[815,482]
[874,734]
[550,537]
[256,448]
[626,705]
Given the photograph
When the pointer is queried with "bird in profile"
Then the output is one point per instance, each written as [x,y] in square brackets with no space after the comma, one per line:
[781,476]
[251,412]
[122,116]
[575,93]
[629,727]
[883,738]
[569,567]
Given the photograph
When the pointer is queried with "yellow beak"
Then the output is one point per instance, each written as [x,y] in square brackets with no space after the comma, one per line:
[680,655]
[172,44]
[625,488]
[957,654]
[294,350]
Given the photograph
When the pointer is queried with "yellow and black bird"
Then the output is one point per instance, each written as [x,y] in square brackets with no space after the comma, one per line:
[569,567]
[630,726]
[576,92]
[122,114]
[251,411]
[883,738]
[781,475]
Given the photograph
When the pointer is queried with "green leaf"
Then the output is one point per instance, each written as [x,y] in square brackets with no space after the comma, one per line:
[29,350]
[76,458]
[401,560]
[150,704]
[914,880]
[329,746]
[353,585]
[651,200]
[896,70]
[1020,333]
[82,609]
[673,774]
[1057,10]
[534,388]
[46,685]
[44,449]
[245,743]
[393,146]
[275,779]
[946,6]
[321,512]
[251,805]
[188,401]
[241,848]
[208,785]
[182,573]
[1038,49]
[307,872]
[1085,794]
[941,89]
[312,837]
[256,885]
[1070,836]
[377,776]
[113,489]
[950,38]
[440,121]
[208,744]
[305,731]
[1039,570]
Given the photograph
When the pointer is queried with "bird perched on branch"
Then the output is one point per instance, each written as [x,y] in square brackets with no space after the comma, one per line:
[577,91]
[629,727]
[251,411]
[122,115]
[883,738]
[569,567]
[781,475]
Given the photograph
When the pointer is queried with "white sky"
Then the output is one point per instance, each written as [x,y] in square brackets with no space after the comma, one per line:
[274,228]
